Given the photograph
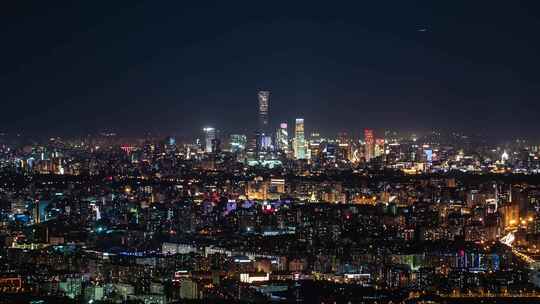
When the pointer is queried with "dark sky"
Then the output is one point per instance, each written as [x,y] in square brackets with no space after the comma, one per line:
[166,66]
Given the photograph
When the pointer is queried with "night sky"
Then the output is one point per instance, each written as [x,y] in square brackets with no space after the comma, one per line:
[169,67]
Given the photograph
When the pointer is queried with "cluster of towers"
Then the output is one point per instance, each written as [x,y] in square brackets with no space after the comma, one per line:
[269,142]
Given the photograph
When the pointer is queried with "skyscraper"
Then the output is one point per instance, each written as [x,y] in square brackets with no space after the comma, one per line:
[345,145]
[238,143]
[263,140]
[264,99]
[209,138]
[282,138]
[299,140]
[379,147]
[369,139]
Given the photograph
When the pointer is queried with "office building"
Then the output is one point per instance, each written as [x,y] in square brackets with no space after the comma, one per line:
[263,139]
[209,139]
[264,99]
[238,142]
[282,138]
[379,147]
[369,148]
[299,140]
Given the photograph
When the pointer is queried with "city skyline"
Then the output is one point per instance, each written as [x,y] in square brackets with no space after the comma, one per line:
[265,136]
[267,152]
[266,140]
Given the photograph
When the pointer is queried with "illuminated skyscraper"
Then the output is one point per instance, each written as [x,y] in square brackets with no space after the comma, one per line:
[314,145]
[209,138]
[379,147]
[263,140]
[345,145]
[369,139]
[282,138]
[299,140]
[238,143]
[264,99]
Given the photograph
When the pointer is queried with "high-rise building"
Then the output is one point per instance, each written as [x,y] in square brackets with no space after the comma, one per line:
[369,139]
[379,147]
[238,142]
[189,289]
[299,140]
[216,145]
[209,139]
[264,99]
[282,138]
[345,146]
[314,145]
[263,140]
[266,143]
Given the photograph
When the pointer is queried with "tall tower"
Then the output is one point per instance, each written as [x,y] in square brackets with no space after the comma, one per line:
[263,141]
[369,139]
[345,145]
[264,99]
[282,138]
[209,138]
[299,140]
